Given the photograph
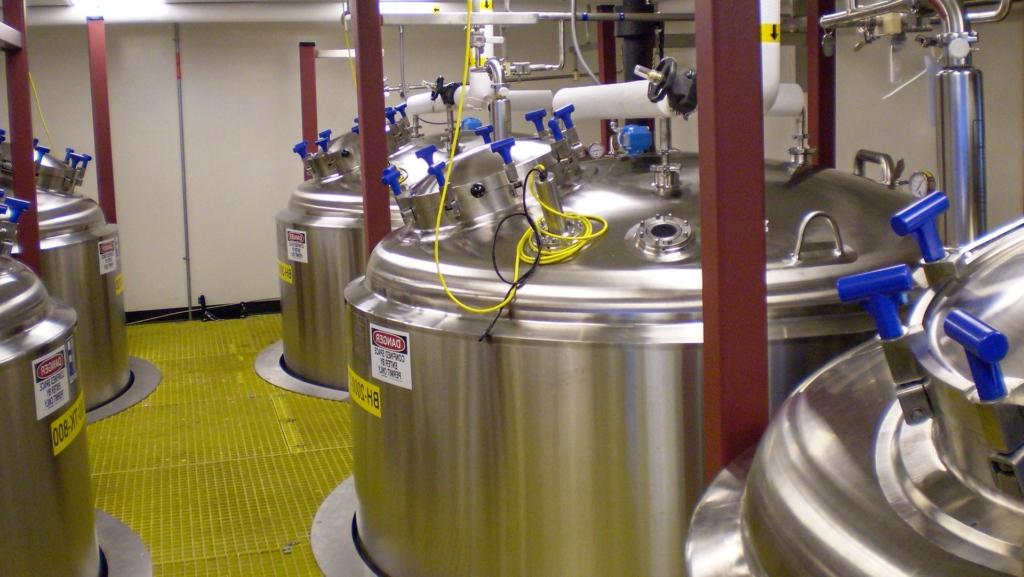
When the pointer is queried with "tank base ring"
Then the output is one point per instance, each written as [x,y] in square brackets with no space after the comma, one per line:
[332,535]
[144,379]
[124,553]
[269,366]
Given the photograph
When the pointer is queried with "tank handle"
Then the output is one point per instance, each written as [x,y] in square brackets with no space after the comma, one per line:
[891,170]
[801,235]
[985,348]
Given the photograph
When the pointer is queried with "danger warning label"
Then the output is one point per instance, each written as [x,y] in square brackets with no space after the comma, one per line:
[110,255]
[389,356]
[52,377]
[298,250]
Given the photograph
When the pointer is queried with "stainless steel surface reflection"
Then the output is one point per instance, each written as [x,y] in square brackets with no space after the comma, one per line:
[569,443]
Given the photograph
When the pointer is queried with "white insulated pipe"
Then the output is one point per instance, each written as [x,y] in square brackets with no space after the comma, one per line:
[771,51]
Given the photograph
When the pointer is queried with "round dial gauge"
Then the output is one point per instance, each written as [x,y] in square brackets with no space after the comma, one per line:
[922,183]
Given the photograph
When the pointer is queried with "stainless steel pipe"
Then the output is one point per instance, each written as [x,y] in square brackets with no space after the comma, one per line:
[962,152]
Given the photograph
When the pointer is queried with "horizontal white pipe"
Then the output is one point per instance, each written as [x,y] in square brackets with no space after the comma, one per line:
[624,100]
[527,100]
[194,13]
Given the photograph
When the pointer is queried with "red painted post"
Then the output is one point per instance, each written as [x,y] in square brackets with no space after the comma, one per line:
[372,135]
[607,62]
[307,85]
[97,33]
[821,87]
[731,139]
[22,154]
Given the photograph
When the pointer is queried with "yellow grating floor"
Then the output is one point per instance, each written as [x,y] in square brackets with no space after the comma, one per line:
[219,472]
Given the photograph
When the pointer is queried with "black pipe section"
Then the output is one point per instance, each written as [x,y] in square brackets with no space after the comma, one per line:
[637,41]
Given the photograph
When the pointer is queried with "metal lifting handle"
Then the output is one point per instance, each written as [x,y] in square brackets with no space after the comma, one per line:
[891,170]
[801,236]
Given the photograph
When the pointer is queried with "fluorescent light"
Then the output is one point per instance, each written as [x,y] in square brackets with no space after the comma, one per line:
[119,8]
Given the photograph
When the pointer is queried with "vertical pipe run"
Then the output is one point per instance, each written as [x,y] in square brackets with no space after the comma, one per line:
[184,170]
[307,94]
[821,87]
[372,135]
[962,146]
[19,105]
[97,34]
[731,139]
[606,62]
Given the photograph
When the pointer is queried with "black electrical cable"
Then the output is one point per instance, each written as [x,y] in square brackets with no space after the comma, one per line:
[519,284]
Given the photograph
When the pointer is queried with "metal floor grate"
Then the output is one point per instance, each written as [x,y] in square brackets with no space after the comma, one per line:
[219,472]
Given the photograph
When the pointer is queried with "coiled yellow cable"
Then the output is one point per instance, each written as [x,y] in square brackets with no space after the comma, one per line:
[547,256]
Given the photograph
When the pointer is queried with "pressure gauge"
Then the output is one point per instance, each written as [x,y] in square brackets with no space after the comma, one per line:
[922,183]
[596,150]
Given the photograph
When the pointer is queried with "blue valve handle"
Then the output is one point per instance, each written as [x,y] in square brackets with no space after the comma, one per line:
[326,133]
[401,109]
[985,347]
[86,159]
[486,132]
[43,151]
[437,171]
[324,143]
[77,159]
[565,115]
[302,149]
[537,118]
[393,178]
[556,131]
[921,220]
[15,206]
[877,291]
[503,148]
[391,114]
[67,154]
[3,136]
[355,129]
[426,154]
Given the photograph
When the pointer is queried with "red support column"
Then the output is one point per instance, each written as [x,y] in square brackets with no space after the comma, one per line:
[97,33]
[22,154]
[372,135]
[731,128]
[307,84]
[821,87]
[607,62]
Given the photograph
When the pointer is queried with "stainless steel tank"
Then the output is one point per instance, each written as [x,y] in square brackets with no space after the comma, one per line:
[81,260]
[568,441]
[903,457]
[320,249]
[46,507]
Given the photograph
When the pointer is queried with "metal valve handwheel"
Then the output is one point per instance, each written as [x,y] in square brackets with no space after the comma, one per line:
[662,80]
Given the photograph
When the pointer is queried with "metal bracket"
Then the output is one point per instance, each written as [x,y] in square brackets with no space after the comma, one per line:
[1008,472]
[913,398]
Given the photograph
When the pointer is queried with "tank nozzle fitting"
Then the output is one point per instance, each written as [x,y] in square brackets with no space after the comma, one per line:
[324,142]
[985,348]
[393,178]
[426,154]
[401,109]
[437,171]
[15,208]
[537,118]
[391,114]
[556,131]
[881,293]
[503,148]
[486,132]
[921,220]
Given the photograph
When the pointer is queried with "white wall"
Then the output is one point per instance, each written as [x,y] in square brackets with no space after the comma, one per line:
[241,117]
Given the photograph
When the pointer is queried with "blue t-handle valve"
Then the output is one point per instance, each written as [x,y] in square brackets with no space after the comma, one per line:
[393,178]
[67,154]
[401,109]
[77,159]
[3,136]
[985,347]
[355,129]
[556,131]
[921,220]
[503,148]
[302,149]
[324,143]
[426,154]
[537,118]
[437,171]
[878,292]
[15,206]
[486,132]
[391,114]
[565,115]
[86,159]
[326,133]
[43,151]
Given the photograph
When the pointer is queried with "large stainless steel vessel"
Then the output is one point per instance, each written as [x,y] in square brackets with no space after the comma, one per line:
[46,507]
[903,457]
[568,442]
[320,249]
[81,260]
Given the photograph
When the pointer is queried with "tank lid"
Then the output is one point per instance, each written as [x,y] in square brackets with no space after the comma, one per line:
[23,299]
